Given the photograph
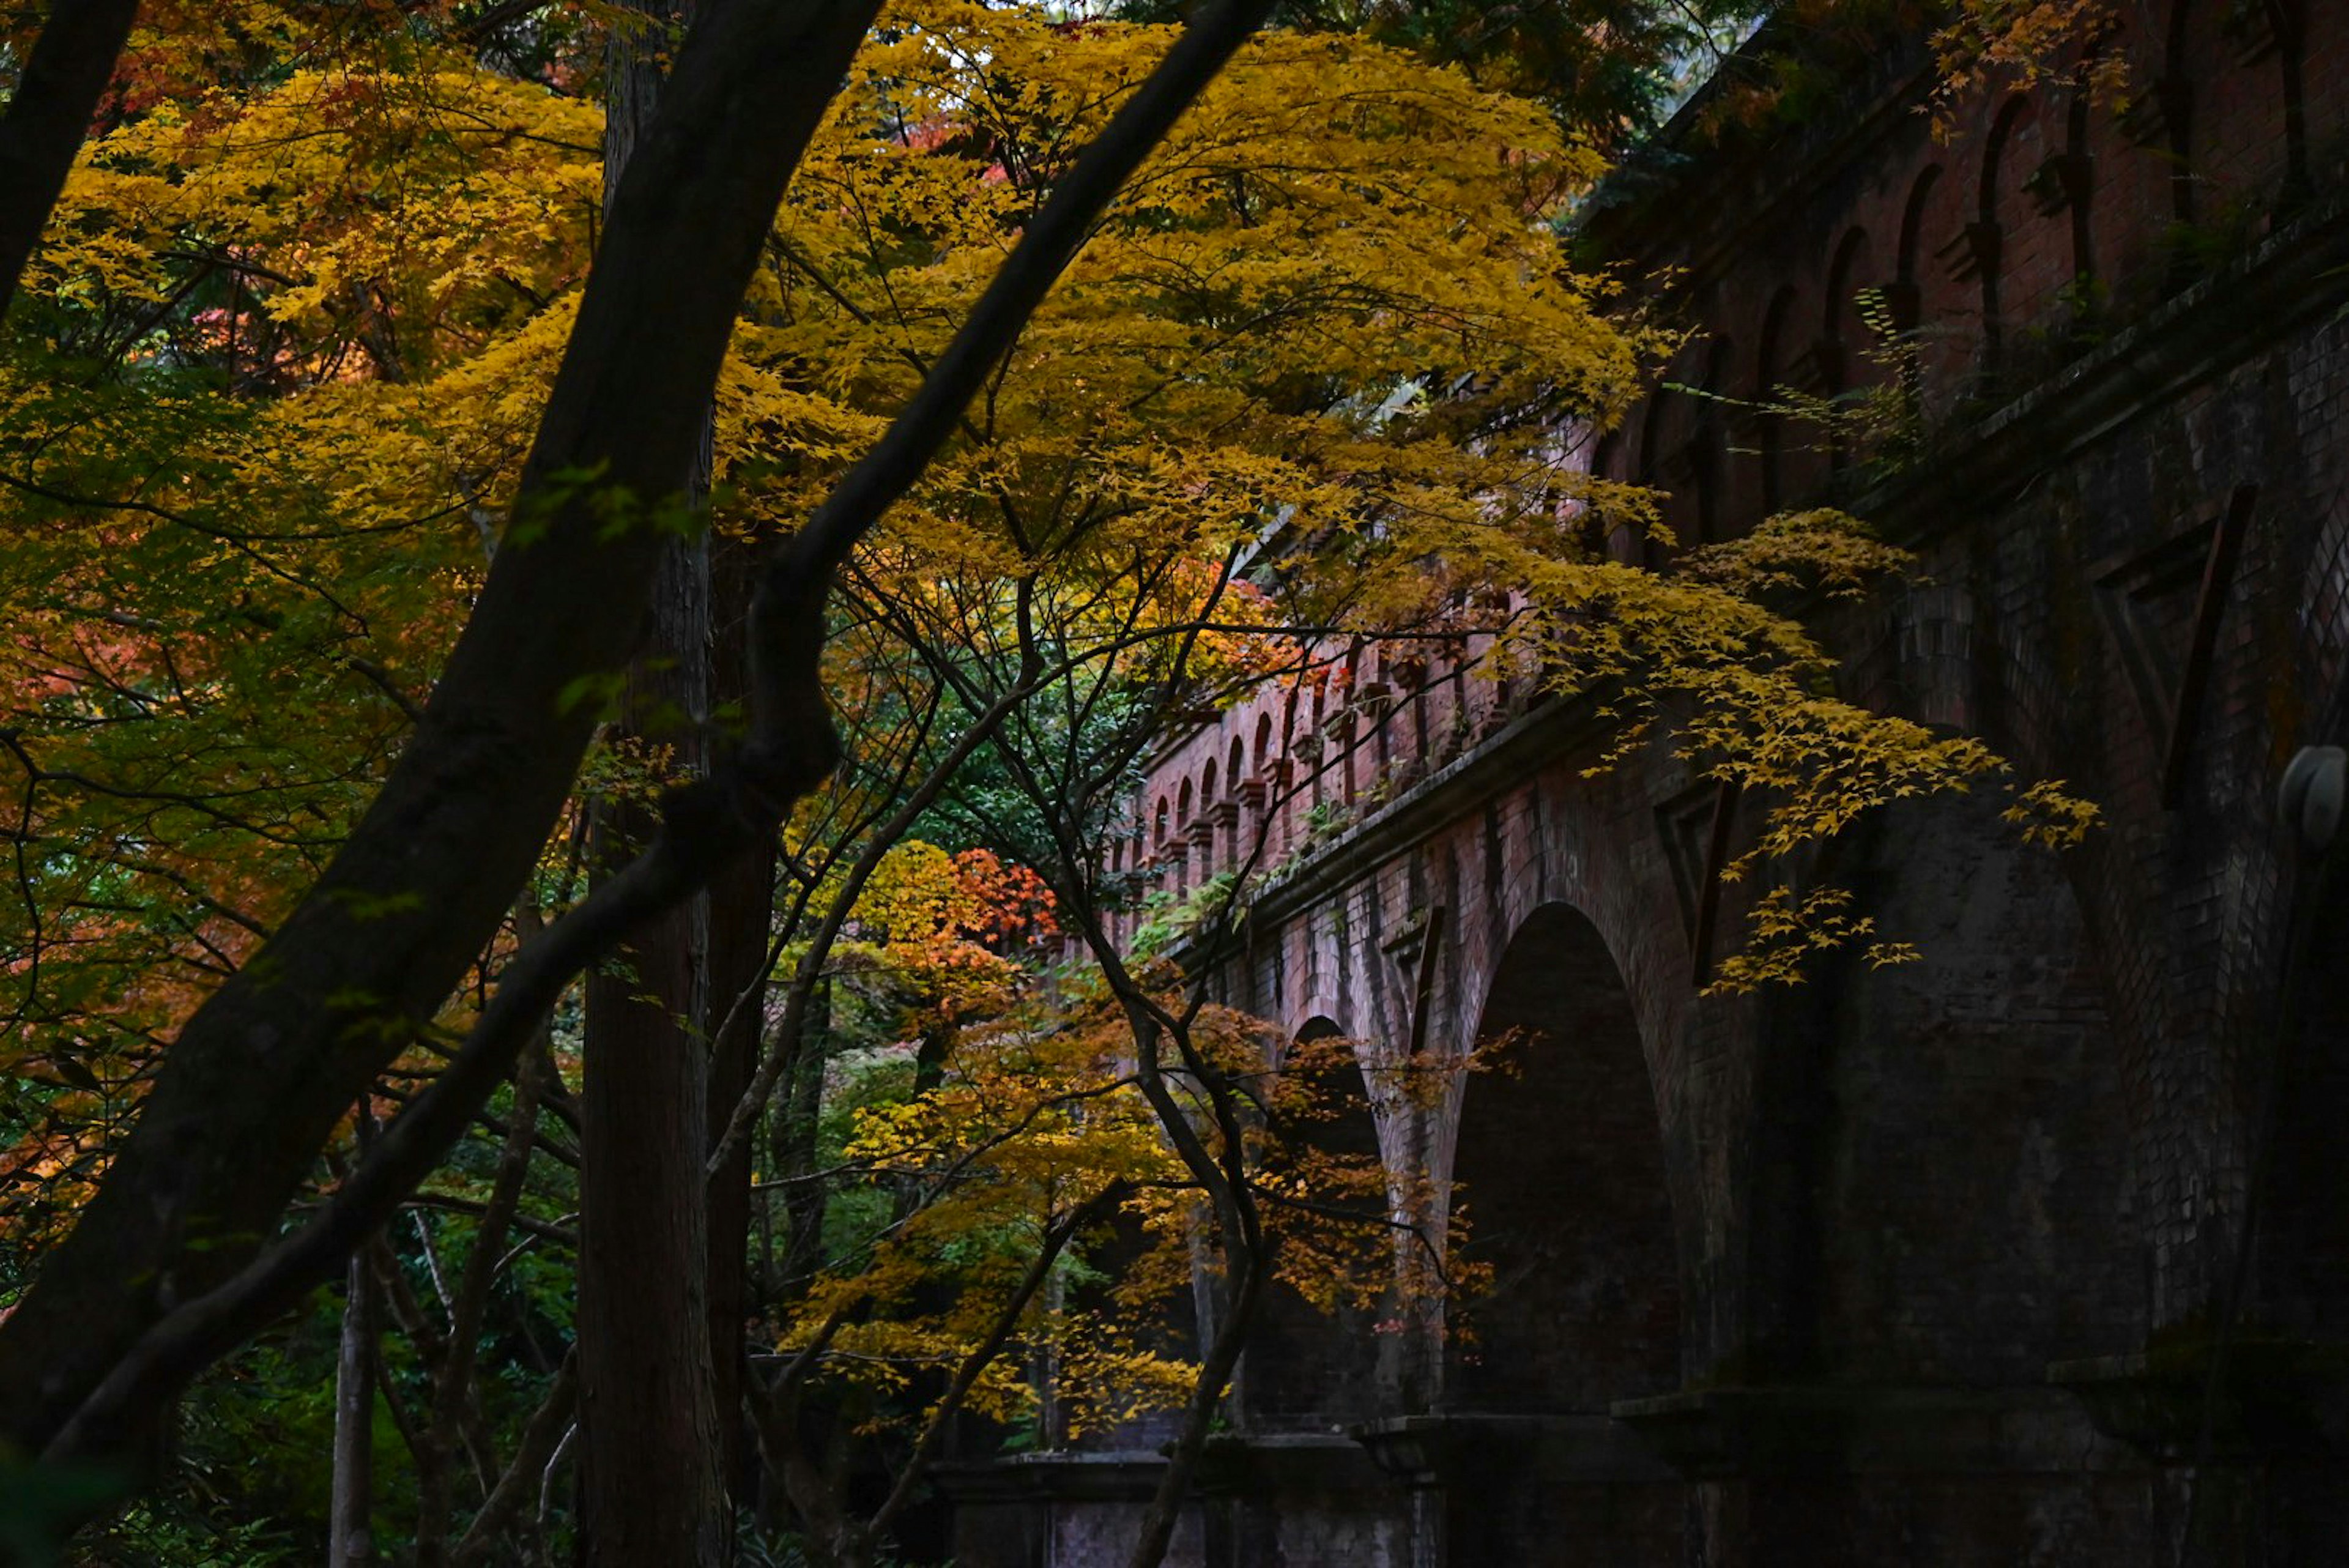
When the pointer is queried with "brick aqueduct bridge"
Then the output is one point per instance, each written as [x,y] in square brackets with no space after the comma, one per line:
[1930,1264]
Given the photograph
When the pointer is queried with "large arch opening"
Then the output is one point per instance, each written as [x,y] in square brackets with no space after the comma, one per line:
[1558,1169]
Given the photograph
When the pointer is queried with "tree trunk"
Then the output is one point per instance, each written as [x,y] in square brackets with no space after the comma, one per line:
[351,1541]
[741,909]
[651,1469]
[57,97]
[652,1487]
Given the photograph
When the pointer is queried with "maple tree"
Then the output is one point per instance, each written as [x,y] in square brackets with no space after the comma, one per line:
[376,933]
[347,426]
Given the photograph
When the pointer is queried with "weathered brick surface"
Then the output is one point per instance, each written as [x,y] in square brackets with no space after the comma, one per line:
[2033,1150]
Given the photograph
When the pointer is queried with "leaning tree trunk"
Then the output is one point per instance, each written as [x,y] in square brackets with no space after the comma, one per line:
[58,88]
[652,1484]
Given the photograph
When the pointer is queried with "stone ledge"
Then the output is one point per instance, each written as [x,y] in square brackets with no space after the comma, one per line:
[1236,1463]
[1827,1429]
[2276,1398]
[1122,1475]
[1570,1448]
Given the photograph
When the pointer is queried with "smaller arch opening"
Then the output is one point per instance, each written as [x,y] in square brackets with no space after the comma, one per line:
[1769,383]
[1998,220]
[1711,444]
[1905,296]
[2177,91]
[1912,225]
[1848,361]
[2077,174]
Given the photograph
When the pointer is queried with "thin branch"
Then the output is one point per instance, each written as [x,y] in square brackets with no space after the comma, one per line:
[541,1443]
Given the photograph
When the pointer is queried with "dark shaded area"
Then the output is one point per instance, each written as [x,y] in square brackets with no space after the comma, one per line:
[1562,1170]
[1304,1367]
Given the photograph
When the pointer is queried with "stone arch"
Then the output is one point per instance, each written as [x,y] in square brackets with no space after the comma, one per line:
[1113,907]
[1841,331]
[1232,846]
[1648,460]
[1650,468]
[2322,32]
[1558,1166]
[1607,454]
[2288,21]
[1179,846]
[1348,737]
[1271,812]
[1306,1367]
[1207,832]
[2240,68]
[1676,440]
[1320,735]
[1165,870]
[1913,215]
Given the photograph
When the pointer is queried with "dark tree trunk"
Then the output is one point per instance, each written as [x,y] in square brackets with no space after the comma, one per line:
[652,1487]
[741,909]
[56,98]
[651,1465]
